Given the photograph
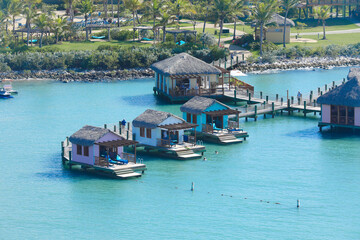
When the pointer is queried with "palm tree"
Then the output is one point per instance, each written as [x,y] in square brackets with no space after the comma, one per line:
[14,10]
[166,18]
[262,12]
[222,9]
[323,13]
[30,14]
[42,22]
[133,6]
[179,8]
[205,8]
[86,8]
[153,10]
[59,26]
[239,10]
[70,4]
[118,13]
[287,5]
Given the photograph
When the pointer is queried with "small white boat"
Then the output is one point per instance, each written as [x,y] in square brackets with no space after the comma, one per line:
[4,94]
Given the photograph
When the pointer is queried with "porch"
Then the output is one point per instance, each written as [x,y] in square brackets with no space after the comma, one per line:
[174,138]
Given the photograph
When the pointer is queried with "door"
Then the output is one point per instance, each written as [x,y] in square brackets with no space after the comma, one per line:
[334,114]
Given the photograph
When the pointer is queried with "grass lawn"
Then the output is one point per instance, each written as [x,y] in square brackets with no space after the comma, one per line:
[212,31]
[339,39]
[332,24]
[69,46]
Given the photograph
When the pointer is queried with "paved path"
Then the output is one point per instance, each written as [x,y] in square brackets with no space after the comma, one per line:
[356,30]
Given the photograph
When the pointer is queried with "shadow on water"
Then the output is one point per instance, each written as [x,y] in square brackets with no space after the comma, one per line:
[139,100]
[340,133]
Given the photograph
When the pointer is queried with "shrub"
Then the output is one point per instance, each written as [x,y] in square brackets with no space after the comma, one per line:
[244,40]
[207,39]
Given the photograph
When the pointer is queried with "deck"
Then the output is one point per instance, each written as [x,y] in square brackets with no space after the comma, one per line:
[129,170]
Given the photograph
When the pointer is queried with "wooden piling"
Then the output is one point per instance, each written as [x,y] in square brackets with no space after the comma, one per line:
[128,130]
[282,101]
[288,106]
[325,87]
[304,108]
[114,128]
[333,83]
[105,126]
[292,100]
[260,95]
[249,97]
[277,97]
[273,109]
[255,113]
[267,99]
[120,127]
[235,96]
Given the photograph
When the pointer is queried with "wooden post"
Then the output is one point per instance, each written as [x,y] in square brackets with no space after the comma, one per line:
[311,97]
[70,157]
[255,116]
[267,99]
[277,97]
[333,84]
[318,91]
[135,152]
[249,97]
[292,100]
[67,141]
[62,149]
[119,127]
[260,95]
[231,63]
[288,106]
[298,101]
[304,108]
[325,87]
[237,60]
[235,96]
[321,93]
[273,109]
[282,100]
[105,126]
[314,102]
[128,130]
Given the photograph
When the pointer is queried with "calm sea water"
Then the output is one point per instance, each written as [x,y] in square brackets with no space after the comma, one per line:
[236,191]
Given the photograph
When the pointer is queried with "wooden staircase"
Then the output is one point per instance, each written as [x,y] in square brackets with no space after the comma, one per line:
[187,154]
[229,139]
[126,173]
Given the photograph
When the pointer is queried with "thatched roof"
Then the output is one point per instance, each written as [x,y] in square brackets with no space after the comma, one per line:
[182,64]
[88,135]
[197,105]
[278,20]
[347,94]
[152,118]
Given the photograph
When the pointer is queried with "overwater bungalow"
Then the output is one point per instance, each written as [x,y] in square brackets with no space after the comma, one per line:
[102,151]
[340,107]
[163,133]
[182,76]
[216,122]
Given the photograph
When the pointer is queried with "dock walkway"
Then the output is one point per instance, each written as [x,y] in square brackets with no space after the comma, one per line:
[257,103]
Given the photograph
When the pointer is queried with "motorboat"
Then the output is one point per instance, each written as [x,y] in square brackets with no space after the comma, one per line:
[4,93]
[8,87]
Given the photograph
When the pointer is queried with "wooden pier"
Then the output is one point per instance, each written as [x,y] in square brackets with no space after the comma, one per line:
[257,103]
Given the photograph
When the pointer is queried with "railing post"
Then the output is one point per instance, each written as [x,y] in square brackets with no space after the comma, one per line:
[298,101]
[318,91]
[249,97]
[267,99]
[288,106]
[237,60]
[260,95]
[292,99]
[105,126]
[114,128]
[255,116]
[128,130]
[119,127]
[321,93]
[325,87]
[62,149]
[343,80]
[304,108]
[333,84]
[67,141]
[314,102]
[235,96]
[277,97]
[282,100]
[273,109]
[311,97]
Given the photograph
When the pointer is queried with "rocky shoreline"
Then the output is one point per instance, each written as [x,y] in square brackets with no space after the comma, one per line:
[76,76]
[119,75]
[303,63]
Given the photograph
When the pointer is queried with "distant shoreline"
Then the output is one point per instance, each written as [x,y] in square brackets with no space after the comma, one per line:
[303,63]
[128,74]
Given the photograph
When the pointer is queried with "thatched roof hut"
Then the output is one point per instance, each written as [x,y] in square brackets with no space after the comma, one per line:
[347,94]
[152,118]
[184,64]
[88,135]
[198,104]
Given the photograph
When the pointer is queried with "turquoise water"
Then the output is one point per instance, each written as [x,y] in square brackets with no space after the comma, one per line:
[236,191]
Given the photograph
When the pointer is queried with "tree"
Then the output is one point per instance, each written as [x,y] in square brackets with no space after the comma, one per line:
[287,5]
[42,22]
[59,26]
[166,18]
[153,10]
[133,6]
[70,5]
[222,9]
[239,10]
[30,13]
[179,8]
[323,13]
[206,6]
[14,10]
[86,8]
[262,12]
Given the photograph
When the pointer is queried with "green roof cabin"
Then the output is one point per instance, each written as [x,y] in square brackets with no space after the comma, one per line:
[340,107]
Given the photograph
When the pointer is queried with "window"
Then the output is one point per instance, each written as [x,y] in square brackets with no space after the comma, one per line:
[194,119]
[188,117]
[142,132]
[148,132]
[86,151]
[79,150]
